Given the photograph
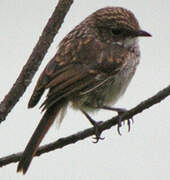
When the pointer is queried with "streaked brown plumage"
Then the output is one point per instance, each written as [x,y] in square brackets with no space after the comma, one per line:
[92,68]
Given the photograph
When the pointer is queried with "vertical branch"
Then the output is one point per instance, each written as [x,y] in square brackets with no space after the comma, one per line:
[35,58]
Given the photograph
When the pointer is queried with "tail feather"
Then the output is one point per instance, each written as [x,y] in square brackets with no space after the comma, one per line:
[42,128]
[35,97]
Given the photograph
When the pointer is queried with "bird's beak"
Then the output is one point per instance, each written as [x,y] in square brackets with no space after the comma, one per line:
[143,33]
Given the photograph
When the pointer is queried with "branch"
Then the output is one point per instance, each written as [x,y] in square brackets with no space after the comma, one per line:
[60,143]
[35,58]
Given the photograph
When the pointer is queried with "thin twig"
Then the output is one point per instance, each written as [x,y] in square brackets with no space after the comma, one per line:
[35,58]
[60,143]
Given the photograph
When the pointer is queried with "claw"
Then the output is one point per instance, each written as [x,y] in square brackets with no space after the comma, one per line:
[97,132]
[129,121]
[120,111]
[97,139]
[119,125]
[96,126]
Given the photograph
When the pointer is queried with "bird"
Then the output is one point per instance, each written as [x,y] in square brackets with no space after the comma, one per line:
[91,69]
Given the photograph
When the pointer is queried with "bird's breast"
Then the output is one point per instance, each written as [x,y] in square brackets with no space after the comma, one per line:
[109,92]
[113,86]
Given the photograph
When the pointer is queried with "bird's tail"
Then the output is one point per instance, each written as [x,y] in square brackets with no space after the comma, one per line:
[39,133]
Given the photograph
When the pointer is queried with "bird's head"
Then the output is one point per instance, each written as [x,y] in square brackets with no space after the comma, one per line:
[117,25]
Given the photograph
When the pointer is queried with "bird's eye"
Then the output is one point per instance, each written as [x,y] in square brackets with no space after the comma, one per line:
[116,31]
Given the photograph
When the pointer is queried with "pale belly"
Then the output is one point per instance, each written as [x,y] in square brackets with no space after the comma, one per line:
[106,94]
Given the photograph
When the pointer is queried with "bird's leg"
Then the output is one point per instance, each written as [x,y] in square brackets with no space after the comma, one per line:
[120,111]
[96,126]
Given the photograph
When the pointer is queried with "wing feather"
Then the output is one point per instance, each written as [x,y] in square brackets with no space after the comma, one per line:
[65,77]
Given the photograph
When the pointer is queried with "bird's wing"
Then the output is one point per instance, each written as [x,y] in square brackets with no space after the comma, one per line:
[72,81]
[65,78]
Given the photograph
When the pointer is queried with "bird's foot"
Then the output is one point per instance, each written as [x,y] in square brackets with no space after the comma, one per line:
[120,112]
[96,126]
[97,136]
